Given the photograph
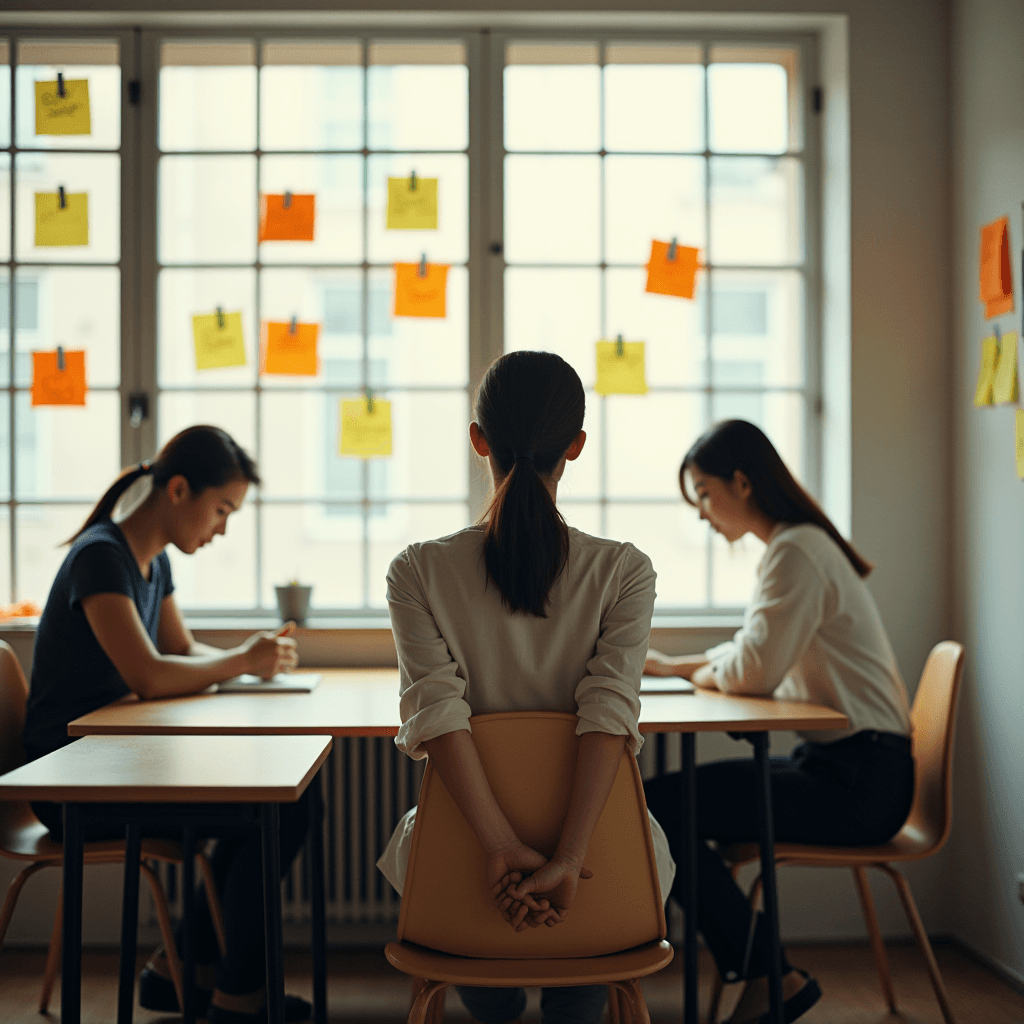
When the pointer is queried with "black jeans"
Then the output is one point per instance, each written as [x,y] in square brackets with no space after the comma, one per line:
[237,864]
[854,792]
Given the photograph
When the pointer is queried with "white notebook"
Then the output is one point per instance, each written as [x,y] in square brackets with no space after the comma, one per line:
[301,682]
[665,684]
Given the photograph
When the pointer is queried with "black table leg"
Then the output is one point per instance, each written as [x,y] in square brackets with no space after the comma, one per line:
[317,897]
[771,895]
[188,921]
[71,969]
[690,968]
[129,922]
[271,822]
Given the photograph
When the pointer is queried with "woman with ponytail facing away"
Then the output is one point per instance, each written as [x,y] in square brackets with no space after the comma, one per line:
[523,613]
[111,627]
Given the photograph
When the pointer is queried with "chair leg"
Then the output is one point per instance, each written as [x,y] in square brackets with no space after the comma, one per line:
[867,903]
[166,931]
[212,900]
[53,955]
[437,1007]
[613,1005]
[421,1004]
[13,892]
[631,1000]
[910,908]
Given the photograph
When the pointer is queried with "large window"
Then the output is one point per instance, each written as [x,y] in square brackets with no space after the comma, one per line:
[558,161]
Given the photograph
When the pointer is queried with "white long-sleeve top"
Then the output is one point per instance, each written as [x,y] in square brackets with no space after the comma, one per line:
[813,633]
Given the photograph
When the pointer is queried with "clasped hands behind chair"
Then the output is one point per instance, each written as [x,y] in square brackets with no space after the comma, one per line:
[614,933]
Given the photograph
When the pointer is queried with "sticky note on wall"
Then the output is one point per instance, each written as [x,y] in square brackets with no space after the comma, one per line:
[412,208]
[289,349]
[62,225]
[52,385]
[365,428]
[218,340]
[987,372]
[674,276]
[63,115]
[287,217]
[421,295]
[620,373]
[996,284]
[1004,387]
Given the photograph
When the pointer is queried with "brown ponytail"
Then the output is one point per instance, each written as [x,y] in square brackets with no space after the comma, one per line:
[204,456]
[738,445]
[529,410]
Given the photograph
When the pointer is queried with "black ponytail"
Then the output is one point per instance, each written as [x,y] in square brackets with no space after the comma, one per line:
[529,410]
[204,456]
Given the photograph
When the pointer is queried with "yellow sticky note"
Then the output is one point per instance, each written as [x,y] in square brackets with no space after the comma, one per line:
[1020,442]
[365,433]
[987,373]
[219,340]
[411,208]
[63,115]
[620,374]
[67,225]
[1004,388]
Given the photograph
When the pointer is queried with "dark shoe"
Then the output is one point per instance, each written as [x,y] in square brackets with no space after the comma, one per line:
[796,1005]
[296,1009]
[157,993]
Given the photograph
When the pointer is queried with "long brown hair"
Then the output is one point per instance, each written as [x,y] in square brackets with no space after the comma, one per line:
[738,445]
[204,456]
[529,410]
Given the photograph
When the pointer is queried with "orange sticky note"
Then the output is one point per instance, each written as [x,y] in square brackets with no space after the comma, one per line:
[53,386]
[672,277]
[421,296]
[996,279]
[290,351]
[287,223]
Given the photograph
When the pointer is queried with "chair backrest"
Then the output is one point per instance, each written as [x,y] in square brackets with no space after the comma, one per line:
[13,697]
[934,721]
[529,759]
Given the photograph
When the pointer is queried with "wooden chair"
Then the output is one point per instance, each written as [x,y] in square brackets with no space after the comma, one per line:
[23,837]
[927,828]
[449,933]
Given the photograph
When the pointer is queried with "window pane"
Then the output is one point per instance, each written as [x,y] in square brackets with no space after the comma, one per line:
[5,106]
[232,411]
[552,206]
[553,107]
[223,574]
[5,559]
[5,327]
[779,414]
[41,532]
[654,108]
[734,570]
[581,516]
[582,478]
[5,205]
[5,453]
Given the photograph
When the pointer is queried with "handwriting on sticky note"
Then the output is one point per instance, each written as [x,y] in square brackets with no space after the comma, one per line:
[219,340]
[987,372]
[996,279]
[672,276]
[412,209]
[62,225]
[1019,441]
[287,217]
[424,295]
[63,115]
[53,386]
[365,431]
[290,351]
[1004,387]
[620,374]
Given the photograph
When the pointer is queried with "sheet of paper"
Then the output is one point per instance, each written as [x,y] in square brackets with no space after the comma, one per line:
[421,296]
[295,222]
[987,373]
[219,340]
[62,226]
[412,209]
[365,434]
[67,115]
[675,276]
[996,278]
[54,386]
[620,374]
[1004,388]
[1019,441]
[290,352]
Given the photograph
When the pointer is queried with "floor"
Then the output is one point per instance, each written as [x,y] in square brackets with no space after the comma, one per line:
[363,987]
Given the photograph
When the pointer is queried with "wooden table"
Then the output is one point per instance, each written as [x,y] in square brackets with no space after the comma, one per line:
[363,702]
[187,774]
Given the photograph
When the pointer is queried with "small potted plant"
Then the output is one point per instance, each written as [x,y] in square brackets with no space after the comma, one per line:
[293,601]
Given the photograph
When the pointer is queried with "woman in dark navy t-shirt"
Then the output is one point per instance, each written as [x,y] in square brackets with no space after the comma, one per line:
[111,627]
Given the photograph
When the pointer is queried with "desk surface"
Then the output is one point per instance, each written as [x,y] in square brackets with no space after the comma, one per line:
[364,702]
[172,769]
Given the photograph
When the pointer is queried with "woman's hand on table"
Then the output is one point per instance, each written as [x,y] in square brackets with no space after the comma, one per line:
[269,653]
[684,665]
[505,868]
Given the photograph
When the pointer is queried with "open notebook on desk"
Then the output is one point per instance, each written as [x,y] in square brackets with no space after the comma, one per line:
[665,684]
[301,682]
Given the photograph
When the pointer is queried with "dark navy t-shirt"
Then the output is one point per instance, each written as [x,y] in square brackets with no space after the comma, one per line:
[71,674]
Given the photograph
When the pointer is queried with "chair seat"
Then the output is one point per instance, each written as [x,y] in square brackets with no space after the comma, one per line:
[457,970]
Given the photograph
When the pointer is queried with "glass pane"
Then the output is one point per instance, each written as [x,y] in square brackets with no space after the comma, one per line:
[555,311]
[553,107]
[734,570]
[181,294]
[397,527]
[5,327]
[552,209]
[450,242]
[5,104]
[207,95]
[337,183]
[418,351]
[41,533]
[319,545]
[98,62]
[223,574]
[5,559]
[652,197]
[232,411]
[299,448]
[207,209]
[654,108]
[757,328]
[5,206]
[67,451]
[674,540]
[582,516]
[756,210]
[99,176]
[582,478]
[5,451]
[779,414]
[79,308]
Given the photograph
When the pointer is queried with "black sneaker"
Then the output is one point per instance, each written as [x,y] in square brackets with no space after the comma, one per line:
[157,993]
[296,1009]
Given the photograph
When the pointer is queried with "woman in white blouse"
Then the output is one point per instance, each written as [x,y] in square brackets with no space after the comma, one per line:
[522,613]
[812,632]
